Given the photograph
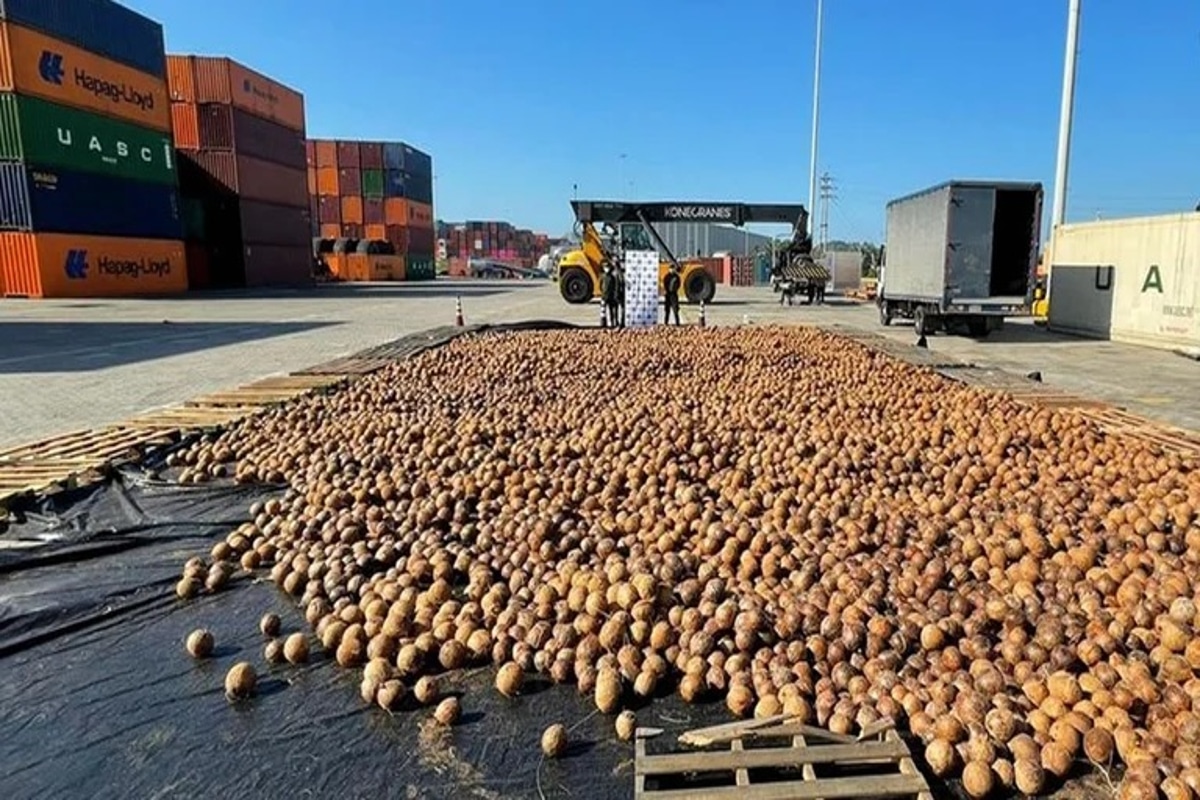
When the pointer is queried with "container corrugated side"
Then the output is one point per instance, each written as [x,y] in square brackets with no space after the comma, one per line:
[254,92]
[327,182]
[215,123]
[416,162]
[372,183]
[49,134]
[371,155]
[80,79]
[393,183]
[329,210]
[373,211]
[418,188]
[100,26]
[349,155]
[326,152]
[181,79]
[218,167]
[278,265]
[15,212]
[272,183]
[267,223]
[211,77]
[74,265]
[270,141]
[61,201]
[420,215]
[350,182]
[310,153]
[352,211]
[185,126]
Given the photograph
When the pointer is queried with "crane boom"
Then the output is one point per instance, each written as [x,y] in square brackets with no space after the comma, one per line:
[736,214]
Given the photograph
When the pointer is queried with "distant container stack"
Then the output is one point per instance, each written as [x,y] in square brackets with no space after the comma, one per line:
[370,192]
[240,140]
[89,200]
[494,240]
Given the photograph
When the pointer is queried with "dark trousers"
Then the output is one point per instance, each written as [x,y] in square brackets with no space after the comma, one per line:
[670,306]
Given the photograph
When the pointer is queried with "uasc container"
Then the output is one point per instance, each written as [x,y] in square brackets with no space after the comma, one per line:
[223,80]
[57,201]
[99,26]
[53,135]
[224,127]
[32,63]
[74,265]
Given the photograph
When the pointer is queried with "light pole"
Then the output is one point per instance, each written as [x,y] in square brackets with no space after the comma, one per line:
[816,110]
[1066,114]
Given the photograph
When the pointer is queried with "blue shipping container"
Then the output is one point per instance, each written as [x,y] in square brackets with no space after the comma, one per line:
[56,201]
[393,183]
[393,155]
[418,188]
[397,155]
[101,26]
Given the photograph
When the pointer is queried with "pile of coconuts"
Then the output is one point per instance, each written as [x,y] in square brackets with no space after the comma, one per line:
[775,517]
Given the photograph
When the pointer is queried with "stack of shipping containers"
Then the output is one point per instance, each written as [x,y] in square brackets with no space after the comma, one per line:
[495,241]
[240,140]
[89,202]
[374,191]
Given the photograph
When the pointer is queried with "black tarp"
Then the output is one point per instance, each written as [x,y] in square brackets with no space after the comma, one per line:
[99,699]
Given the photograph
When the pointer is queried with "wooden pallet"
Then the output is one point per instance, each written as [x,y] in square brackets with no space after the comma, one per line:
[777,763]
[350,365]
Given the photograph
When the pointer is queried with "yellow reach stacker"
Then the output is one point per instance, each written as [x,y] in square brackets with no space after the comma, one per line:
[609,228]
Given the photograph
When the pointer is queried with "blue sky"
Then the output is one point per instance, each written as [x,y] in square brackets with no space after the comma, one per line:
[518,101]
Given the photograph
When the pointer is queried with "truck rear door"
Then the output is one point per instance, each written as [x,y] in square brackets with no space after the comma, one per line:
[972,212]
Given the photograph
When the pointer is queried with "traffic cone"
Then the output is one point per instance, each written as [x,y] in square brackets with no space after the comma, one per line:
[458,312]
[703,316]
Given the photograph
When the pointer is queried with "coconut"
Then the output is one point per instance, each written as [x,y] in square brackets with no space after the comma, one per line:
[187,588]
[608,691]
[509,679]
[1098,746]
[295,648]
[1031,778]
[390,695]
[240,681]
[554,741]
[626,725]
[273,652]
[200,643]
[978,779]
[426,690]
[941,757]
[270,625]
[448,711]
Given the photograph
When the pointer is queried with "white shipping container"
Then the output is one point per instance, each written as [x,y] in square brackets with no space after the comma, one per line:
[845,269]
[1152,268]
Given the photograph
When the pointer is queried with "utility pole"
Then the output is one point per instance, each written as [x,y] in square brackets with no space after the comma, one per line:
[1066,114]
[816,110]
[828,193]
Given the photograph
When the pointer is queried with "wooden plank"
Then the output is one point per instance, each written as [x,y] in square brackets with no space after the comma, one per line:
[639,777]
[741,775]
[908,767]
[669,763]
[793,729]
[701,737]
[862,786]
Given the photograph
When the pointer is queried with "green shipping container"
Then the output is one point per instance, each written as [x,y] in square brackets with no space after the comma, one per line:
[372,182]
[419,268]
[37,132]
[192,211]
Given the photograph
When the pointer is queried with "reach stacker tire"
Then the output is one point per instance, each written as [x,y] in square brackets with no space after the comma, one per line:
[700,287]
[576,286]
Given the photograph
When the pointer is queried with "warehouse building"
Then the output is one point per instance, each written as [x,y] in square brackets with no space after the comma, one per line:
[703,239]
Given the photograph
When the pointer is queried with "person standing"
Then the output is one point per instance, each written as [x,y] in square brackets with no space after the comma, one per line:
[608,295]
[671,285]
[621,296]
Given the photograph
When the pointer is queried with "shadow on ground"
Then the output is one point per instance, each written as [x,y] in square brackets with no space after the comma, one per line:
[28,346]
[342,291]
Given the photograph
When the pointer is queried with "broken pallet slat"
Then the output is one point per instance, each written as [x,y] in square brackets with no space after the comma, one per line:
[861,786]
[908,766]
[705,736]
[708,761]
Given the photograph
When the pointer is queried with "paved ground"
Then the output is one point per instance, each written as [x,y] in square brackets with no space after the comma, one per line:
[66,365]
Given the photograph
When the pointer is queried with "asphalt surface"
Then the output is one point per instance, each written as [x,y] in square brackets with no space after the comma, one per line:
[67,365]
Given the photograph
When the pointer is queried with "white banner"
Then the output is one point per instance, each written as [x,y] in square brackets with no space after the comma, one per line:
[641,288]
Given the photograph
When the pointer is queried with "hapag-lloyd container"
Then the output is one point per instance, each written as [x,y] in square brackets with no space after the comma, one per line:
[224,127]
[223,80]
[100,26]
[58,201]
[52,135]
[253,178]
[74,265]
[32,63]
[267,223]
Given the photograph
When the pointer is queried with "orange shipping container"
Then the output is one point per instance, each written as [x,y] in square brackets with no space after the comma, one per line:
[336,263]
[181,79]
[223,80]
[420,215]
[327,181]
[395,211]
[34,64]
[364,267]
[67,265]
[330,231]
[312,181]
[185,126]
[326,153]
[375,233]
[352,211]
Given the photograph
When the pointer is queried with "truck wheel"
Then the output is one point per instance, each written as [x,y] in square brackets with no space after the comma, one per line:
[700,287]
[978,327]
[921,322]
[576,286]
[885,314]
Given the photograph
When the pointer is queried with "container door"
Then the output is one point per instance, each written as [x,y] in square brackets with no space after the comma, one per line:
[972,211]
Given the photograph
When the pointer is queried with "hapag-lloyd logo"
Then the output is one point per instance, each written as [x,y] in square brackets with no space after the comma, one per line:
[252,89]
[133,267]
[53,69]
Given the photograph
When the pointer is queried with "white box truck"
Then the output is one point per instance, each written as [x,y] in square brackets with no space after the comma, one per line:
[961,256]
